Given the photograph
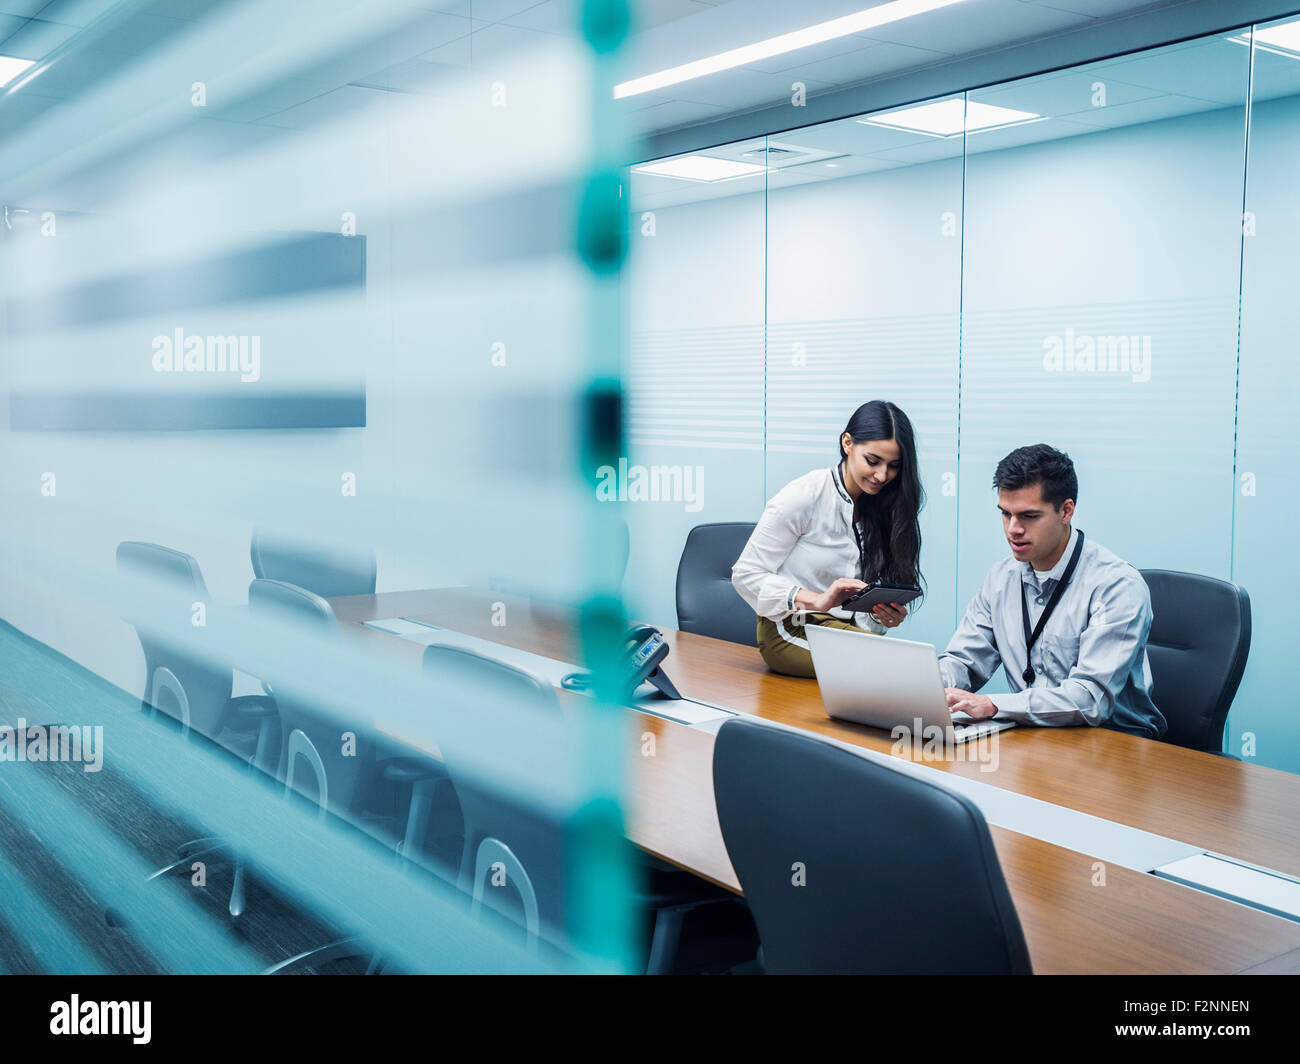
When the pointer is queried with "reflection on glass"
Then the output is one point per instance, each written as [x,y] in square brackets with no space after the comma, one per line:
[1100,291]
[1086,229]
[864,289]
[695,371]
[1266,492]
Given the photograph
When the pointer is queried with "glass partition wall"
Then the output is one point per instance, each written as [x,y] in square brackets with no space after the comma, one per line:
[864,288]
[1097,258]
[259,376]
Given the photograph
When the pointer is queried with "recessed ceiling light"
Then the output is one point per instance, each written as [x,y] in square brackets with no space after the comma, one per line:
[1280,40]
[786,42]
[699,168]
[10,68]
[945,118]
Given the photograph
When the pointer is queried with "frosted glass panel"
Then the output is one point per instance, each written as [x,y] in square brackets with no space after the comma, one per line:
[695,373]
[864,288]
[1268,487]
[1100,299]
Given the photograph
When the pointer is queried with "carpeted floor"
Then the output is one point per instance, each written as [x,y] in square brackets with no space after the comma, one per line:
[42,687]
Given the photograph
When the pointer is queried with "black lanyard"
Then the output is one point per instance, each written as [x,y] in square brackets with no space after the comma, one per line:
[1031,639]
[853,522]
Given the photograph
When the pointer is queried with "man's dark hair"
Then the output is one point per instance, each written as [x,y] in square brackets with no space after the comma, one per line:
[1039,464]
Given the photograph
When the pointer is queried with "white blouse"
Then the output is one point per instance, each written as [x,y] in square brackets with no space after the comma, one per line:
[803,540]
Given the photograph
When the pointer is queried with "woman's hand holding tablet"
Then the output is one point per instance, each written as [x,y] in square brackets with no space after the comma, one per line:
[885,602]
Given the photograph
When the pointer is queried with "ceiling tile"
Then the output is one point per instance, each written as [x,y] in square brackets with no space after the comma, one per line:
[926,150]
[75,12]
[646,14]
[976,25]
[735,89]
[37,39]
[21,8]
[1152,110]
[273,100]
[1070,94]
[342,101]
[485,44]
[1102,8]
[22,107]
[1030,133]
[674,112]
[865,63]
[1275,75]
[496,10]
[413,75]
[1216,70]
[9,25]
[816,53]
[136,33]
[75,71]
[190,10]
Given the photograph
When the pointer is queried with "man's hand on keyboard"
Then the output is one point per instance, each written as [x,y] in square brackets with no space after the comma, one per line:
[977,707]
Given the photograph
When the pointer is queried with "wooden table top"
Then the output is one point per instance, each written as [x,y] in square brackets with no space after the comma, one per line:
[1136,923]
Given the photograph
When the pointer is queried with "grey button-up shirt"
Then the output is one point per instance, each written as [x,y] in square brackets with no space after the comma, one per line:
[1090,660]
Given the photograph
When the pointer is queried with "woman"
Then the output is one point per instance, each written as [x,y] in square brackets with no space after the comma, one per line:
[832,531]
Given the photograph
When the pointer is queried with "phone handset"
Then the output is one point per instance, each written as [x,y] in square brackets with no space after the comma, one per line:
[644,649]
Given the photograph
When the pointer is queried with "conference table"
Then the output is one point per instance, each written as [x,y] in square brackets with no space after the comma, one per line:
[1080,913]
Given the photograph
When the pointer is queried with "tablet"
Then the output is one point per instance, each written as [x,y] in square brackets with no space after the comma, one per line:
[880,595]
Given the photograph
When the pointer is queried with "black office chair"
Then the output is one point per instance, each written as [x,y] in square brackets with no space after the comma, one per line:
[1199,642]
[899,876]
[529,845]
[327,573]
[707,604]
[315,764]
[532,847]
[194,692]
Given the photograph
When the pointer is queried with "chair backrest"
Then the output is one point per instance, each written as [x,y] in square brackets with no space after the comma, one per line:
[707,603]
[347,764]
[850,866]
[536,843]
[1198,645]
[191,689]
[327,573]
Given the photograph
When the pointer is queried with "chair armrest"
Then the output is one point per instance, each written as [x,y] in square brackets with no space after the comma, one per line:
[412,770]
[251,708]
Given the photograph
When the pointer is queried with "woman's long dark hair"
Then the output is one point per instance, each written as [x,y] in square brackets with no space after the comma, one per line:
[887,525]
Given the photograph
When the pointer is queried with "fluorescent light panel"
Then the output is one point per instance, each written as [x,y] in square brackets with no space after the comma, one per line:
[786,42]
[10,68]
[943,118]
[699,168]
[1280,40]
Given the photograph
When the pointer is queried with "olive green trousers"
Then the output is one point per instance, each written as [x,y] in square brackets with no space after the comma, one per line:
[785,657]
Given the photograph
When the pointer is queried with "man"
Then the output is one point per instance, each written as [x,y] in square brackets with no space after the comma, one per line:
[1088,663]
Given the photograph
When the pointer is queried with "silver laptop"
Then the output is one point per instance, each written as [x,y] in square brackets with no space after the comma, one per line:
[887,683]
